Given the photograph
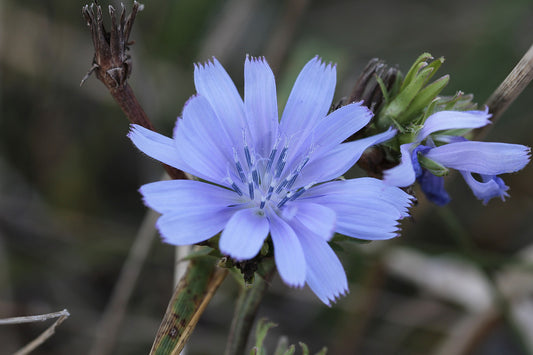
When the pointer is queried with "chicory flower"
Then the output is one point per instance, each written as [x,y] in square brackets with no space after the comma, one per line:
[263,176]
[435,149]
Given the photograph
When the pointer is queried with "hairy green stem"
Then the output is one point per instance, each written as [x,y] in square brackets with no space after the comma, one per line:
[188,302]
[246,309]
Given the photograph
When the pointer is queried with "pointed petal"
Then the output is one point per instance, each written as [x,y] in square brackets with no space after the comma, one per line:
[403,174]
[481,157]
[309,102]
[433,187]
[288,253]
[366,208]
[244,234]
[324,272]
[492,186]
[445,120]
[260,104]
[340,125]
[332,164]
[364,188]
[203,141]
[177,195]
[192,224]
[214,83]
[156,146]
[318,218]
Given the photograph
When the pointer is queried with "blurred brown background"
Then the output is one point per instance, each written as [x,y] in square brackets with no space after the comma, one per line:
[69,207]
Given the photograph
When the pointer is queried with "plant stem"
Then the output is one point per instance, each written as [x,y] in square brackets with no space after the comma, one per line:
[188,302]
[246,309]
[512,86]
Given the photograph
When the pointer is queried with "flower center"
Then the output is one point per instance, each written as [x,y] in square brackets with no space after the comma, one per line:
[267,180]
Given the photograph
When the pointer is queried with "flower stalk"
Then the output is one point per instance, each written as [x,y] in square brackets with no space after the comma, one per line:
[250,298]
[188,302]
[112,63]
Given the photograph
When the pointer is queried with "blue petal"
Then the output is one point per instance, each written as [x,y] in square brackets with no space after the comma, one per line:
[177,195]
[446,120]
[156,146]
[318,218]
[244,234]
[492,186]
[202,141]
[333,163]
[324,272]
[192,224]
[486,158]
[214,83]
[340,125]
[433,187]
[260,104]
[309,102]
[366,208]
[288,253]
[403,174]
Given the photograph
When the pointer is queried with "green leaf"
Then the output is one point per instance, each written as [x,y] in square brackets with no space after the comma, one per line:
[263,326]
[419,63]
[424,98]
[305,349]
[433,167]
[290,350]
[402,101]
[283,346]
[323,351]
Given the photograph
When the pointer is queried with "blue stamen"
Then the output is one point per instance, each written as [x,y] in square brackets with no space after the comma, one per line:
[282,202]
[271,159]
[239,166]
[263,201]
[281,186]
[240,171]
[279,168]
[301,191]
[236,189]
[281,161]
[251,190]
[255,177]
[292,180]
[298,194]
[248,156]
[269,192]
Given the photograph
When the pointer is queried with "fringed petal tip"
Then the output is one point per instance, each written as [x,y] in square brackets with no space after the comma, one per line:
[490,187]
[318,61]
[252,59]
[208,64]
[329,300]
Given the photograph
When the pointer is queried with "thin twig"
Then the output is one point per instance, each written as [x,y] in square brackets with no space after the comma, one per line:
[44,335]
[512,86]
[112,63]
[33,319]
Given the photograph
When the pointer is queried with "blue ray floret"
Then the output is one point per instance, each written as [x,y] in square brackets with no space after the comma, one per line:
[264,176]
[436,148]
